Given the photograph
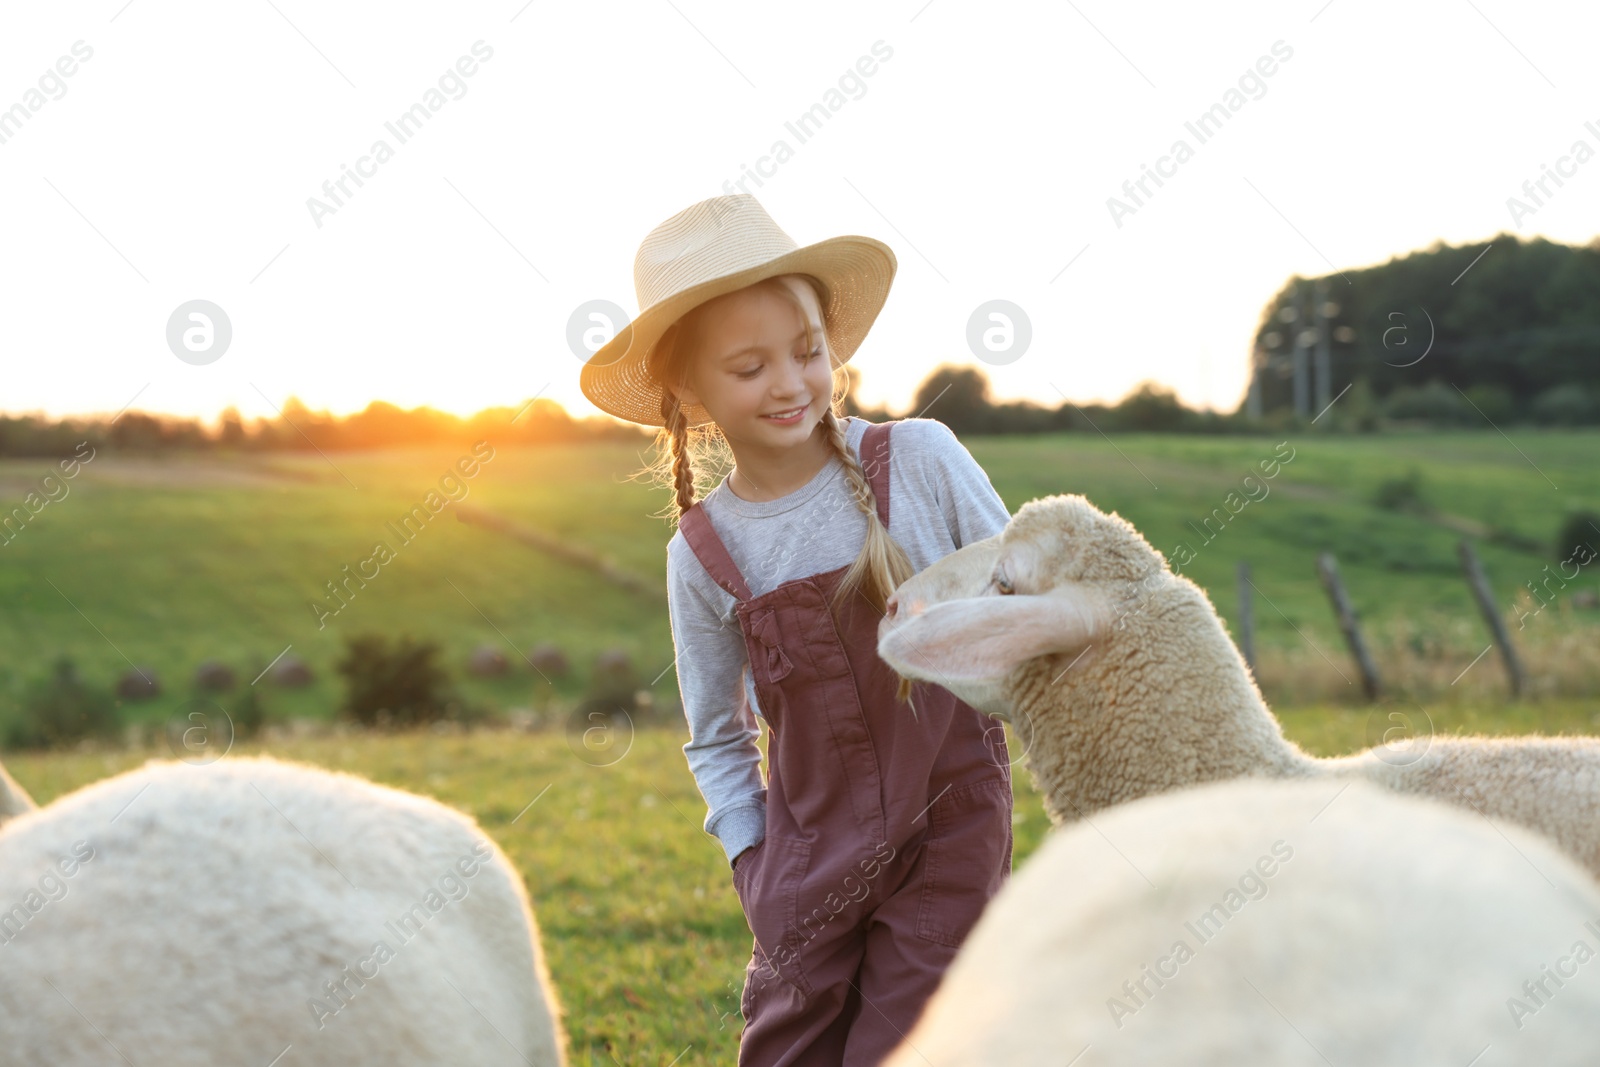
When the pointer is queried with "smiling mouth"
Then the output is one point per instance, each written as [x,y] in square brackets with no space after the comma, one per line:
[791,413]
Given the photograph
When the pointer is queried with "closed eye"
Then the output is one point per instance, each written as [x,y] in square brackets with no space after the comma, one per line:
[747,375]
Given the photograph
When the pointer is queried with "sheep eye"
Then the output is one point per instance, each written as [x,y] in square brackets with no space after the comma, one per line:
[1002,582]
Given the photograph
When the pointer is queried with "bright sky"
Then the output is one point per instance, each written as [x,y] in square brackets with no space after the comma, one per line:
[177,163]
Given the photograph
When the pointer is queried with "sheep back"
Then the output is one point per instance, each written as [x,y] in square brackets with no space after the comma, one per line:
[1319,921]
[1547,784]
[208,908]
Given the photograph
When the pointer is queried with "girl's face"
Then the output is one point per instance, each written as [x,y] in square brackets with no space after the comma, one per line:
[750,362]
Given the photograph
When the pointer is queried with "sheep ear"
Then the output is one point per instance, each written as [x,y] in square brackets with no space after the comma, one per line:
[14,800]
[981,638]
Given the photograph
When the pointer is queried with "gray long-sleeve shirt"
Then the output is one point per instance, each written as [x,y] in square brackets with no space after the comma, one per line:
[940,500]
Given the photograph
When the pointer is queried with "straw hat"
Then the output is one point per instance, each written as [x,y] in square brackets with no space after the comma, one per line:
[715,247]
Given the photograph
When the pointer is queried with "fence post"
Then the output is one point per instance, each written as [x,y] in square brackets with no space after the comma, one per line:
[1479,584]
[1329,570]
[1247,618]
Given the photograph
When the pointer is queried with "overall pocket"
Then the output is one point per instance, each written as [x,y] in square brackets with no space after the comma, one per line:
[767,881]
[967,858]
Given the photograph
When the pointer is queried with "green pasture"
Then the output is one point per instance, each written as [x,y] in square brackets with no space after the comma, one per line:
[167,562]
[641,927]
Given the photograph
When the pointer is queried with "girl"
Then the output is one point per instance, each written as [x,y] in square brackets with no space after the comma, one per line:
[881,830]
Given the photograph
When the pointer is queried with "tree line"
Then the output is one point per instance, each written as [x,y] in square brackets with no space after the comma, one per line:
[296,428]
[956,395]
[1500,332]
[1505,330]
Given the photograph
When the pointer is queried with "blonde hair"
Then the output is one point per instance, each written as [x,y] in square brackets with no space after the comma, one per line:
[882,564]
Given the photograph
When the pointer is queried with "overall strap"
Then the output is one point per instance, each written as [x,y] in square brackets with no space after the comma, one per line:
[875,461]
[696,528]
[698,531]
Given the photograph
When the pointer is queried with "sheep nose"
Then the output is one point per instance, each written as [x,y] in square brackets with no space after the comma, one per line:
[913,606]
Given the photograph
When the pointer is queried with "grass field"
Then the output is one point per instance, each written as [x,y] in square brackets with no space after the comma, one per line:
[168,562]
[642,930]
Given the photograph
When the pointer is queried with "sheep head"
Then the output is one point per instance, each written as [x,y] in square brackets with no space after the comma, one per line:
[1057,578]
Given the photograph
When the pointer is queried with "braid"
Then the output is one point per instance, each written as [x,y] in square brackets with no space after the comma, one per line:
[678,443]
[882,564]
[855,476]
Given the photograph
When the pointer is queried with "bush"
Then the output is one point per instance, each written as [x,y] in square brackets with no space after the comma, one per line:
[1359,410]
[1564,405]
[250,714]
[1401,494]
[1494,401]
[399,687]
[1150,408]
[1579,538]
[61,709]
[1434,403]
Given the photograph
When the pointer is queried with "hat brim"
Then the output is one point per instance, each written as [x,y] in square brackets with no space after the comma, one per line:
[855,273]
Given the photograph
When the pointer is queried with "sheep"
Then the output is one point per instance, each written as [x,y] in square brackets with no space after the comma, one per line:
[249,909]
[1122,682]
[1282,922]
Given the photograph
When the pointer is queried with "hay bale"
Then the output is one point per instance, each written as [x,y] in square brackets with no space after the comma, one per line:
[614,678]
[549,660]
[138,683]
[214,676]
[291,672]
[487,661]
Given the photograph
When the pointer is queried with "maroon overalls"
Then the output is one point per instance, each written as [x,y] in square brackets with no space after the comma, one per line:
[886,833]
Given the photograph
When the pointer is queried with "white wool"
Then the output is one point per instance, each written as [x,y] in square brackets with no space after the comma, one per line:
[1123,682]
[184,914]
[1322,922]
